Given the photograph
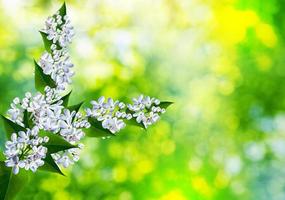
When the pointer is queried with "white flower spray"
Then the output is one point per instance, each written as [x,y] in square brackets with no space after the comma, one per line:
[47,112]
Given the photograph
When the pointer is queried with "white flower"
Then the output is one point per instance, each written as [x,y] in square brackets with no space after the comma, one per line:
[113,124]
[66,35]
[47,63]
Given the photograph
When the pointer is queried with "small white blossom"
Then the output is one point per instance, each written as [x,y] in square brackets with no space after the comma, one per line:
[113,124]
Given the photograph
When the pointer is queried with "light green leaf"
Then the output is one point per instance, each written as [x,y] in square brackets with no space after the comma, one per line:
[47,43]
[10,184]
[50,165]
[42,80]
[11,127]
[56,143]
[165,104]
[96,129]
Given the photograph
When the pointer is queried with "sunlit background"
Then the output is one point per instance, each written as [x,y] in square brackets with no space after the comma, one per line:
[221,61]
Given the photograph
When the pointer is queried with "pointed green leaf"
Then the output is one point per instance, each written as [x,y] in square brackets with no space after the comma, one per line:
[96,129]
[11,127]
[56,143]
[47,43]
[62,10]
[65,99]
[10,184]
[26,119]
[50,165]
[42,80]
[75,107]
[165,104]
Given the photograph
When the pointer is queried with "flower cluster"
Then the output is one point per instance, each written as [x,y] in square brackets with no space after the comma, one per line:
[111,113]
[25,150]
[71,124]
[68,157]
[41,107]
[57,64]
[146,110]
[47,113]
[59,29]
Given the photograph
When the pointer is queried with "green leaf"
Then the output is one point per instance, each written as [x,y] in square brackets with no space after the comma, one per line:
[56,143]
[65,99]
[27,119]
[50,165]
[165,104]
[62,10]
[5,175]
[42,80]
[96,129]
[47,43]
[133,122]
[11,127]
[10,184]
[75,107]
[2,157]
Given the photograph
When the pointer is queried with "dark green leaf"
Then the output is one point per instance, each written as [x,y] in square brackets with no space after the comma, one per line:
[75,107]
[27,119]
[62,10]
[10,184]
[96,129]
[11,127]
[42,80]
[65,99]
[165,104]
[47,43]
[56,143]
[50,165]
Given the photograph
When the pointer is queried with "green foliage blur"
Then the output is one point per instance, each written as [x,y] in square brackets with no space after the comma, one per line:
[221,62]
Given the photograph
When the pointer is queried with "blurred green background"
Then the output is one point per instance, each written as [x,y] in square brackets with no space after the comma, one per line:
[221,62]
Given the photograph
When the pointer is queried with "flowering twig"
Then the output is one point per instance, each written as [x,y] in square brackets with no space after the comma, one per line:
[43,130]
